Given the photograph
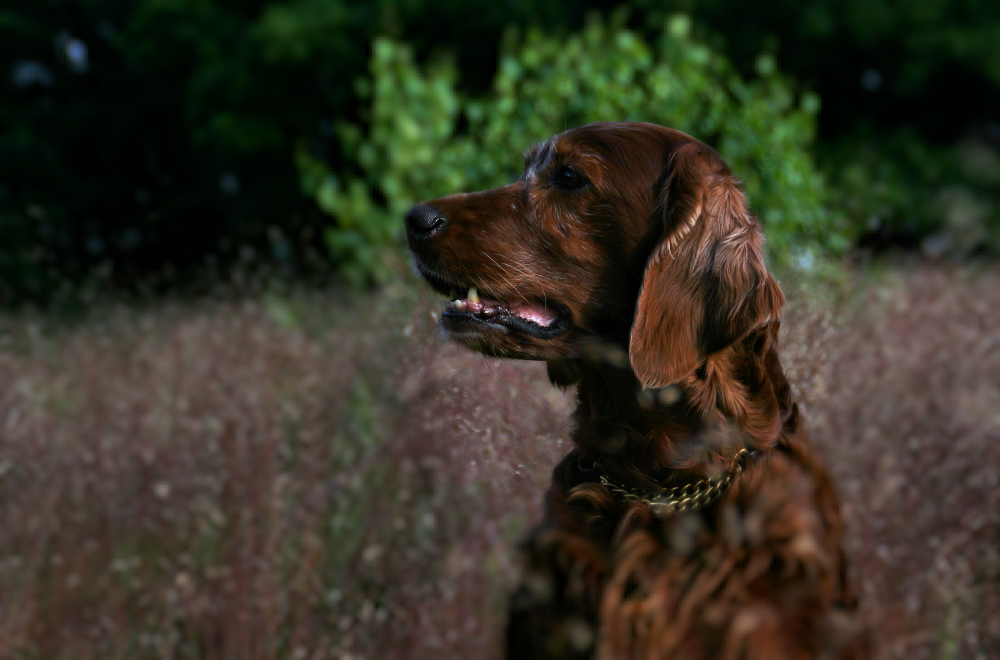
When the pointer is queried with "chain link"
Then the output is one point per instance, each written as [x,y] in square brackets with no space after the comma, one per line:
[681,498]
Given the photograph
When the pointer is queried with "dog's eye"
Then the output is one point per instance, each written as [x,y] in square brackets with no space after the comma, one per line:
[568,179]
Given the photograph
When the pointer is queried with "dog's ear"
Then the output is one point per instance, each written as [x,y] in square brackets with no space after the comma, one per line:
[705,284]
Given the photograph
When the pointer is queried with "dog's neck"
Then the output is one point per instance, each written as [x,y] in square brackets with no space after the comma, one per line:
[738,398]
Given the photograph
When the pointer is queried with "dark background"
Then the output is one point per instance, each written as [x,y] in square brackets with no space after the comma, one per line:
[148,146]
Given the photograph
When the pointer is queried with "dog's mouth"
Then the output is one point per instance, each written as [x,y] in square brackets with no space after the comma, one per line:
[540,320]
[469,309]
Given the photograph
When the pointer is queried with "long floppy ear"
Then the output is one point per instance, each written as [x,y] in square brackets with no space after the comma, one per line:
[706,284]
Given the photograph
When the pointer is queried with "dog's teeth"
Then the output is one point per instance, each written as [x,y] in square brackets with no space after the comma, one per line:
[473,294]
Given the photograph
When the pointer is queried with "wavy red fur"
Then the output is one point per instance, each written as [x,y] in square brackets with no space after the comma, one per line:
[638,238]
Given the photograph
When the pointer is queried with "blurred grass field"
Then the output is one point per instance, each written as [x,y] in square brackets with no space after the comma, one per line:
[318,476]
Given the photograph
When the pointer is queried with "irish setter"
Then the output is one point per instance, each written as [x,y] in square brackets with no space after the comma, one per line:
[693,519]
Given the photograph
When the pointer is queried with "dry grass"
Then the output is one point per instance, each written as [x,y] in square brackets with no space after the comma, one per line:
[907,407]
[314,479]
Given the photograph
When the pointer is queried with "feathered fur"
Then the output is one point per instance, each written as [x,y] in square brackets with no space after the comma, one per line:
[638,238]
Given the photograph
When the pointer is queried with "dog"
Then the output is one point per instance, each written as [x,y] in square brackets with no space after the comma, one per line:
[693,518]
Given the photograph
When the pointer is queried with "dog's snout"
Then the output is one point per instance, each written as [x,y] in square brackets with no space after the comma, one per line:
[423,221]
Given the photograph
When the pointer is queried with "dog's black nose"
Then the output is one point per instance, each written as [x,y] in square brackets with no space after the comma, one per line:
[423,221]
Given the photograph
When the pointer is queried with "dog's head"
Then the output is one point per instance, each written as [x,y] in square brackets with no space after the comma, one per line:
[622,234]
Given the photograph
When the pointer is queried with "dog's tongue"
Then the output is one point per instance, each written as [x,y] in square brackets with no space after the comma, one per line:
[539,314]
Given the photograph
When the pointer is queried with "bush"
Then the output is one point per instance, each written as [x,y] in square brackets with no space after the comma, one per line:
[151,143]
[148,145]
[902,192]
[910,101]
[425,139]
[413,117]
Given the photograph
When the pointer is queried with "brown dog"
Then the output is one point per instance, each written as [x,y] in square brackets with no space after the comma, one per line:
[693,519]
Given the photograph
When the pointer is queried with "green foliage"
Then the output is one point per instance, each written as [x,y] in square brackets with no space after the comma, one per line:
[424,139]
[167,155]
[911,93]
[899,189]
[176,149]
[412,118]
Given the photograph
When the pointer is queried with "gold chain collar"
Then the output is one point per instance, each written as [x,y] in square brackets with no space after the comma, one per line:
[682,498]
